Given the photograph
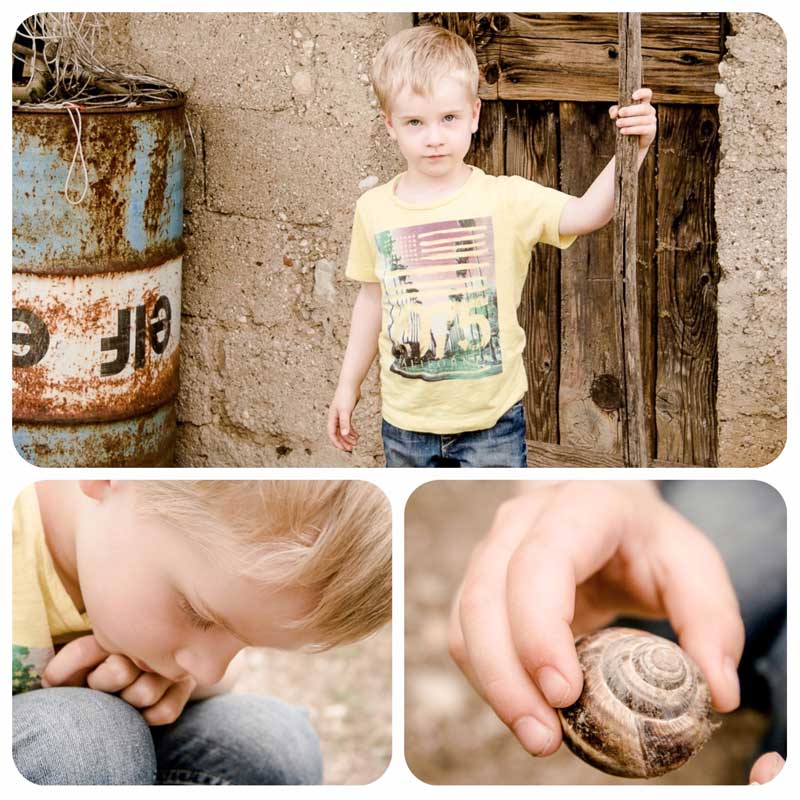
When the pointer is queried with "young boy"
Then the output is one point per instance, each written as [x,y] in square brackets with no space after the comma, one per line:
[442,252]
[141,593]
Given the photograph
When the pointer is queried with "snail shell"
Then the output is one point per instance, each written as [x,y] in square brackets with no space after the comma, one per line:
[645,708]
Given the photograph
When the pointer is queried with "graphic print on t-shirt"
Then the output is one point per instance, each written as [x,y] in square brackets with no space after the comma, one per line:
[441,299]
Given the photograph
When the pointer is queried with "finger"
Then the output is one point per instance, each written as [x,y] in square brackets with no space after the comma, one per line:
[643,94]
[701,605]
[457,647]
[636,111]
[332,423]
[146,690]
[333,429]
[569,545]
[113,675]
[641,119]
[70,666]
[766,768]
[489,646]
[171,704]
[614,112]
[344,422]
[638,130]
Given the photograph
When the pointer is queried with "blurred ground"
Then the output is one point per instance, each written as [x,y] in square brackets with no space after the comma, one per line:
[348,693]
[451,735]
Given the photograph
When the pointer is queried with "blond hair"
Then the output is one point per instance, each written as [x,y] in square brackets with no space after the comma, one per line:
[417,59]
[333,537]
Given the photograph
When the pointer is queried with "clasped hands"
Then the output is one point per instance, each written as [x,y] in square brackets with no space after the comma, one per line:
[82,662]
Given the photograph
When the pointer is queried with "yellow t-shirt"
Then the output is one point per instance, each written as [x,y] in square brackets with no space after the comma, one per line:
[43,614]
[451,275]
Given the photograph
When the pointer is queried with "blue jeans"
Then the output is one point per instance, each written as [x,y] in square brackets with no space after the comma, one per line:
[502,445]
[67,736]
[746,520]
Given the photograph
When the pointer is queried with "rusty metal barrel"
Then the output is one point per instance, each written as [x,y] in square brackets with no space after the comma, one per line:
[97,284]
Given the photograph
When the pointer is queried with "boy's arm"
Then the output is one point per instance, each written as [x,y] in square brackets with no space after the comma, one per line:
[595,208]
[362,346]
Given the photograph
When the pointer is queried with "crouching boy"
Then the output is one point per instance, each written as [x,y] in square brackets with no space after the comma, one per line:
[131,600]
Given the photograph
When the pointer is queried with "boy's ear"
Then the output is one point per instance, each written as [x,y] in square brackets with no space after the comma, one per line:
[387,121]
[476,114]
[96,490]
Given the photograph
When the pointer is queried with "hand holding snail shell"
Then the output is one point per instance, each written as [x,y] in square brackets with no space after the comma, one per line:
[645,708]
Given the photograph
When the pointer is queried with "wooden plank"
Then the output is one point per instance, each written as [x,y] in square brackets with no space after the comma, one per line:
[688,274]
[590,385]
[488,149]
[532,152]
[545,454]
[648,313]
[478,30]
[574,57]
[626,284]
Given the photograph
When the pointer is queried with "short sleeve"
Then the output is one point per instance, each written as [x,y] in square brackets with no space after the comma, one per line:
[536,211]
[362,256]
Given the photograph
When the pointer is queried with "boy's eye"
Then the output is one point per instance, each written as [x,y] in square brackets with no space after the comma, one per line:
[414,123]
[449,117]
[195,619]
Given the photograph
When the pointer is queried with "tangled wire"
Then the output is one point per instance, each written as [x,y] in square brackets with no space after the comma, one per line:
[59,66]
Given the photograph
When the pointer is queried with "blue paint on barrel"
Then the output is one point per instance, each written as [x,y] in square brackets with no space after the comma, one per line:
[90,411]
[145,441]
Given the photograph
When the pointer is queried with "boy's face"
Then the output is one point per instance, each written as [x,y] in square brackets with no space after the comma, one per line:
[434,132]
[160,599]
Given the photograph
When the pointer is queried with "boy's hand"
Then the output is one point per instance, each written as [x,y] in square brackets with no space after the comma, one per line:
[637,120]
[82,662]
[340,425]
[569,558]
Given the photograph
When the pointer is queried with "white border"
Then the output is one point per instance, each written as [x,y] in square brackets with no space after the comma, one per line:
[397,781]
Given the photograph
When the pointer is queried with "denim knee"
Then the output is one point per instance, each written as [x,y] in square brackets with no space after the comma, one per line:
[239,739]
[69,736]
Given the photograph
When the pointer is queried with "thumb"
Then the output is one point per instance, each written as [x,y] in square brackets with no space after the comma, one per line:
[344,422]
[766,768]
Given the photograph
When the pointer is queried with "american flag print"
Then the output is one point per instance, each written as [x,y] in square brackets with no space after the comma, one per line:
[441,299]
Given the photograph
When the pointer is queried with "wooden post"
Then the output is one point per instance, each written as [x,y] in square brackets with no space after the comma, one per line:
[625,281]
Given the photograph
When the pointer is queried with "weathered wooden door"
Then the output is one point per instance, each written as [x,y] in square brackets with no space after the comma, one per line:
[547,81]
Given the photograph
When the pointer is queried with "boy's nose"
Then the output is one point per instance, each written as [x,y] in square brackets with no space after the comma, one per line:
[434,137]
[207,668]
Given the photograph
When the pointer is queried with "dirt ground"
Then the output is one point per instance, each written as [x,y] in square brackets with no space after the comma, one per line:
[348,692]
[452,737]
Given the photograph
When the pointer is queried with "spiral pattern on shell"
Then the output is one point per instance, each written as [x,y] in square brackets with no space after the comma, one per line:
[645,708]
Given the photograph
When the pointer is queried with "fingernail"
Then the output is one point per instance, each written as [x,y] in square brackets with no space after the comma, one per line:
[45,683]
[534,736]
[554,686]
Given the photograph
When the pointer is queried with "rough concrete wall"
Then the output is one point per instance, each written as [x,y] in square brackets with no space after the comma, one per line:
[751,225]
[287,139]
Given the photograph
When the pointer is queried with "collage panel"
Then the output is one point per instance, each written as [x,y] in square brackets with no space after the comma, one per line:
[542,620]
[201,632]
[207,260]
